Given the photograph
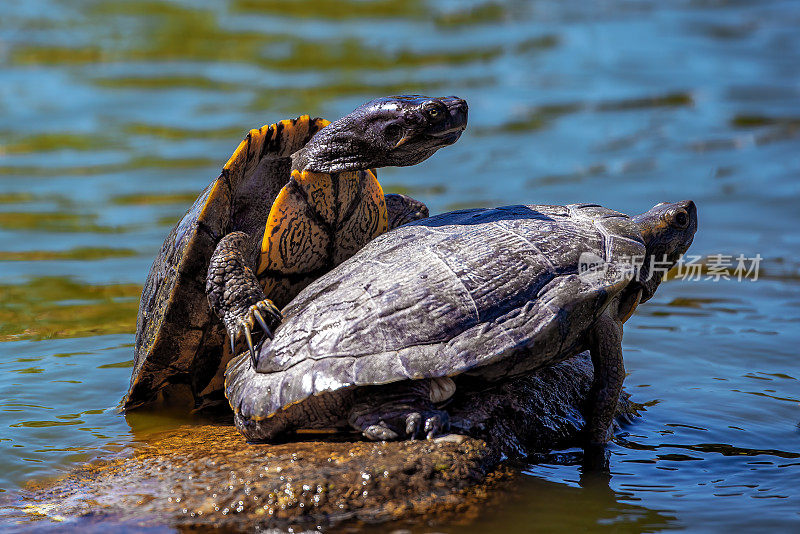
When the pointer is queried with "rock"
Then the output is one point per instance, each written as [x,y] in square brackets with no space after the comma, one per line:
[207,474]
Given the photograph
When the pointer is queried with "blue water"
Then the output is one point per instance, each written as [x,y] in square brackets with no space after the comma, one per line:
[114,115]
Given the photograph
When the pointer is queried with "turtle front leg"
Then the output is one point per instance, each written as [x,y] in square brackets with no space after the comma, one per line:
[403,209]
[401,410]
[605,346]
[235,294]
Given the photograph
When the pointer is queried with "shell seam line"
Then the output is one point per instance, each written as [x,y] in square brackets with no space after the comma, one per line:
[312,213]
[351,208]
[534,247]
[461,283]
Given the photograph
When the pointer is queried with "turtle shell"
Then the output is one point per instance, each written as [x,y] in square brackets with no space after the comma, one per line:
[179,346]
[491,292]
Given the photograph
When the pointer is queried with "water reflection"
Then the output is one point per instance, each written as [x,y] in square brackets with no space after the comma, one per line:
[53,307]
[560,495]
[116,114]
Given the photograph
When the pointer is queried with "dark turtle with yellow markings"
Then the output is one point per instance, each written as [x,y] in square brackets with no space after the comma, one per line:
[294,200]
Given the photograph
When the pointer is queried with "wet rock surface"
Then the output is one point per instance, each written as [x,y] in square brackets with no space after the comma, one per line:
[202,475]
[209,475]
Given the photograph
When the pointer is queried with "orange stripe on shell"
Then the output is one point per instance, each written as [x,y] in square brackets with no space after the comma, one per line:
[306,216]
[282,139]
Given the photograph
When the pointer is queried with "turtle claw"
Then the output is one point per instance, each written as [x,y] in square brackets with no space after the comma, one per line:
[413,421]
[380,432]
[263,324]
[415,429]
[250,344]
[414,425]
[262,315]
[433,427]
[397,411]
[267,315]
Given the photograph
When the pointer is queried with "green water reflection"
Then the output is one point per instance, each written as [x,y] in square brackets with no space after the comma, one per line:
[53,307]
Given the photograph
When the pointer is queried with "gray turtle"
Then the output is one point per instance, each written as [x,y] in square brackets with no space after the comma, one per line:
[382,340]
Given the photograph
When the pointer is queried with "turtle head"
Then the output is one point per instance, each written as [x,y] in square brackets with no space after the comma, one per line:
[389,131]
[667,230]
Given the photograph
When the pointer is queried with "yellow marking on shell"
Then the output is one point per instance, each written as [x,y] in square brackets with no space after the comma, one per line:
[369,220]
[284,137]
[318,188]
[273,414]
[292,241]
[295,242]
[211,194]
[237,164]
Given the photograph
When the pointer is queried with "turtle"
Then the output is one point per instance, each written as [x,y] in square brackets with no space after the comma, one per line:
[295,199]
[458,300]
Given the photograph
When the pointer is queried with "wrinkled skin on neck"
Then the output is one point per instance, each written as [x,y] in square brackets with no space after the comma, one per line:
[667,230]
[389,131]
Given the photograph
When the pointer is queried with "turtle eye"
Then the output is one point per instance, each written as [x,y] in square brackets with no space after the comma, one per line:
[434,112]
[681,218]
